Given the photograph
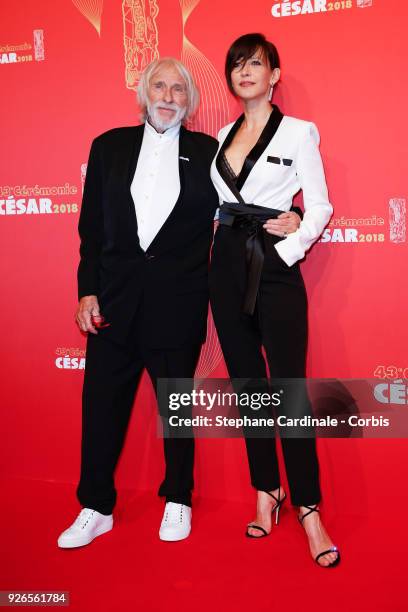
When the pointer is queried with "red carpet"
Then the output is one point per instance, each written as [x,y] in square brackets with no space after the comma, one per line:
[217,568]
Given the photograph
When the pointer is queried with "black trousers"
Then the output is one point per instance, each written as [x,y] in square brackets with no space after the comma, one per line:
[112,374]
[279,325]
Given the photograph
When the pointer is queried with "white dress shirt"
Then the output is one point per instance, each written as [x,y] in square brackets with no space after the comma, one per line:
[156,184]
[273,185]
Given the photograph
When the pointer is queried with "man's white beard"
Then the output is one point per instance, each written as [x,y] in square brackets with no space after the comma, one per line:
[162,124]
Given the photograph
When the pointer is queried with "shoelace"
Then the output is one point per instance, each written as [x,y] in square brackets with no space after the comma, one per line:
[84,517]
[174,513]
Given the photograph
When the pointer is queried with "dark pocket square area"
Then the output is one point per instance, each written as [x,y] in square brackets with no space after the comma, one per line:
[277,160]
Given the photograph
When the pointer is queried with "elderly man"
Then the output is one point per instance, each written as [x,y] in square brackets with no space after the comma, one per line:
[146,229]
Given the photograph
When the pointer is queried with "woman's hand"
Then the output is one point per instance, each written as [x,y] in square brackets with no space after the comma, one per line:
[286,223]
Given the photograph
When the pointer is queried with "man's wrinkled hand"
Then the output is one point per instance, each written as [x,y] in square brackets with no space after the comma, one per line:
[88,307]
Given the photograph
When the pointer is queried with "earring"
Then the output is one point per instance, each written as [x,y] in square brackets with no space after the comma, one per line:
[270,93]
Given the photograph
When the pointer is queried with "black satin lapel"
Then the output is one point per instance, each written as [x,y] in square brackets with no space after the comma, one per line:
[218,164]
[266,136]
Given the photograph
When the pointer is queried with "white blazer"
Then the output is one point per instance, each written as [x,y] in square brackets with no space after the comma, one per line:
[285,159]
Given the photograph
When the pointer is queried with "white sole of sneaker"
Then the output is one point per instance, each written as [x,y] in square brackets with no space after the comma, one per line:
[76,543]
[171,538]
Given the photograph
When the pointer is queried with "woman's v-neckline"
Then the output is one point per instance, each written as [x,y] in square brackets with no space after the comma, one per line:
[259,147]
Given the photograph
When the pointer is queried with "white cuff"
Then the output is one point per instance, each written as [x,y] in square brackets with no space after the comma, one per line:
[290,249]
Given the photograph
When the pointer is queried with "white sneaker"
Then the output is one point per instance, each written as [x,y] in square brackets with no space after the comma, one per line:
[176,523]
[88,525]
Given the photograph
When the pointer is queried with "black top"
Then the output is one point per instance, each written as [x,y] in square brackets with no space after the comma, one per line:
[226,166]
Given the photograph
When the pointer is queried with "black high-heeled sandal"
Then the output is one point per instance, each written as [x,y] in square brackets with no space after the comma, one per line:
[325,552]
[275,509]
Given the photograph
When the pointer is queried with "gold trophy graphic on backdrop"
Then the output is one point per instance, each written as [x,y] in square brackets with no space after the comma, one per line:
[140,37]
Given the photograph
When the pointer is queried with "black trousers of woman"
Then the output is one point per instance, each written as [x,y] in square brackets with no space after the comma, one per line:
[279,324]
[112,375]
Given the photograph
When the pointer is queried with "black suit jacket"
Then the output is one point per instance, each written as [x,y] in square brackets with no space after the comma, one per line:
[164,289]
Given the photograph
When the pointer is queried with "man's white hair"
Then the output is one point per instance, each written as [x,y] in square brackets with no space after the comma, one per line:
[193,95]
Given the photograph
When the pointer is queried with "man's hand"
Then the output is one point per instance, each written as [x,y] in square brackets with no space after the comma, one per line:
[286,223]
[88,307]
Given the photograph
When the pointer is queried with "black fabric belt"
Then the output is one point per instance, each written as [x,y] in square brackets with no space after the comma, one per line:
[250,217]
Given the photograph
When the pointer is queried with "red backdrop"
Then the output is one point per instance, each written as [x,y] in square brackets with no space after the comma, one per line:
[68,71]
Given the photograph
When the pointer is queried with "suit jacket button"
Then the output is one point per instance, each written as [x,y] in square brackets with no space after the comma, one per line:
[149,257]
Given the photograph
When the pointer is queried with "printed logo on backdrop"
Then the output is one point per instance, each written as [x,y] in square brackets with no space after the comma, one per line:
[24,52]
[393,390]
[70,358]
[306,7]
[369,229]
[397,211]
[38,199]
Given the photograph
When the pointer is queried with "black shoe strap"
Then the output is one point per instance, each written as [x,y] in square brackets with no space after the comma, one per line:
[256,527]
[311,509]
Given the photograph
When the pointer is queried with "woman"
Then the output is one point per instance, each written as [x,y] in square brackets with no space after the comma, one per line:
[257,293]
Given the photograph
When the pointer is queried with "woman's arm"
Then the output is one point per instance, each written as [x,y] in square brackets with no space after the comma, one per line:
[318,210]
